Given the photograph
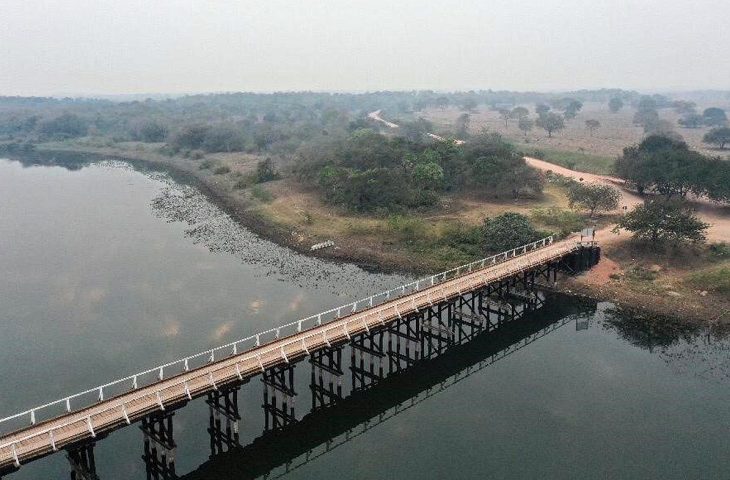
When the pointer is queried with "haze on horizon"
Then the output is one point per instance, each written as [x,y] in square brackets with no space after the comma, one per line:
[87,47]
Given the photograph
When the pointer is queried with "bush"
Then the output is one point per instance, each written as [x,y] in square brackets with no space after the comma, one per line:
[660,221]
[564,221]
[260,193]
[507,231]
[715,279]
[223,169]
[408,229]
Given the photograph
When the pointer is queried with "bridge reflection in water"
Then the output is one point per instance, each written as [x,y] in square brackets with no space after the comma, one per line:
[389,372]
[486,305]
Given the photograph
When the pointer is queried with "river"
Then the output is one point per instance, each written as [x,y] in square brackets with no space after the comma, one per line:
[106,270]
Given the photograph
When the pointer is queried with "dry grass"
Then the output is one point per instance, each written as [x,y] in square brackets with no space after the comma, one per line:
[616,131]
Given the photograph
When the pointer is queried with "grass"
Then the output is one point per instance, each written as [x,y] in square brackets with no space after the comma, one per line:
[260,193]
[563,221]
[580,161]
[713,279]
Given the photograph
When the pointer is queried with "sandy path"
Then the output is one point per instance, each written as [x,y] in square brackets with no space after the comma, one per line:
[718,217]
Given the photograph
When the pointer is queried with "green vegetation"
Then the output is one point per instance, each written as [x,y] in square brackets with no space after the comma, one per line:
[583,162]
[562,220]
[718,136]
[660,221]
[368,171]
[260,193]
[550,122]
[714,279]
[507,231]
[593,197]
[669,167]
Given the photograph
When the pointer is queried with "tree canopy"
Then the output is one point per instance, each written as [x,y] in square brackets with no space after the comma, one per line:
[507,231]
[551,122]
[593,197]
[718,136]
[664,221]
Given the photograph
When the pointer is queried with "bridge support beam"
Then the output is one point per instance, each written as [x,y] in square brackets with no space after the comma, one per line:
[83,464]
[279,382]
[223,406]
[366,360]
[326,366]
[404,342]
[159,445]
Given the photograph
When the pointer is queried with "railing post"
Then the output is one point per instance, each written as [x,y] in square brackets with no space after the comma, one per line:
[32,417]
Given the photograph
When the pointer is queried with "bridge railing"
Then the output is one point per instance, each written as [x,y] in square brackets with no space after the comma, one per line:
[148,377]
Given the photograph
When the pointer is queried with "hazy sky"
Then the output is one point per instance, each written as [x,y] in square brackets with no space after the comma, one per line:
[175,46]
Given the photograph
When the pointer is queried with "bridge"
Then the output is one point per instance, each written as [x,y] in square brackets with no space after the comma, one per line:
[419,318]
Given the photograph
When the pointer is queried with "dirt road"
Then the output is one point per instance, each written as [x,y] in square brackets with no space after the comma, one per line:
[717,216]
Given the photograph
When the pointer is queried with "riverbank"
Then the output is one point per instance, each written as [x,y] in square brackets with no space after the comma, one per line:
[294,218]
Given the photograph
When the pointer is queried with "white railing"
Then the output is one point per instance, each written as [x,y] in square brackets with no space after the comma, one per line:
[156,374]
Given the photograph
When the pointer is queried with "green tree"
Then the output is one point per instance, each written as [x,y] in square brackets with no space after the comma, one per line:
[718,136]
[469,105]
[541,109]
[615,104]
[519,112]
[572,108]
[683,107]
[152,131]
[428,176]
[592,125]
[594,197]
[551,122]
[691,120]
[462,125]
[714,117]
[507,231]
[505,115]
[525,124]
[664,221]
[265,171]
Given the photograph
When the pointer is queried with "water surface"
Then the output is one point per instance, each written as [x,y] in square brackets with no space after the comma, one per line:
[105,270]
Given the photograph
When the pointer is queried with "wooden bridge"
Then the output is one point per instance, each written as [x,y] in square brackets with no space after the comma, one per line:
[470,294]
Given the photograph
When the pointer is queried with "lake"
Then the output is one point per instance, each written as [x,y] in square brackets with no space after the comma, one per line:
[106,270]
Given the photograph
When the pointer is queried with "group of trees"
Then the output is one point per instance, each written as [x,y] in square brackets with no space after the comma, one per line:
[669,167]
[368,171]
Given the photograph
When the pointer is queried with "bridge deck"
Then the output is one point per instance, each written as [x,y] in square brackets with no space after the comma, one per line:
[48,436]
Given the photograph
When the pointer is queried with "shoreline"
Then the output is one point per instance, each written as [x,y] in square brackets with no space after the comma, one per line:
[244,213]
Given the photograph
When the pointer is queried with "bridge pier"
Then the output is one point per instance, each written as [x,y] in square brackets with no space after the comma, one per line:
[83,463]
[278,414]
[436,333]
[326,365]
[159,445]
[370,345]
[404,342]
[223,403]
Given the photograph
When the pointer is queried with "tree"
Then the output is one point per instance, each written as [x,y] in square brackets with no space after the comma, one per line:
[541,109]
[683,107]
[662,220]
[551,122]
[572,108]
[265,171]
[504,114]
[525,124]
[191,136]
[714,117]
[519,112]
[691,120]
[67,125]
[592,125]
[718,136]
[469,105]
[645,117]
[428,176]
[594,197]
[462,125]
[507,231]
[615,104]
[152,131]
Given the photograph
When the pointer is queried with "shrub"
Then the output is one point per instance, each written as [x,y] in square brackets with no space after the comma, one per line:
[408,229]
[223,169]
[564,221]
[260,193]
[507,231]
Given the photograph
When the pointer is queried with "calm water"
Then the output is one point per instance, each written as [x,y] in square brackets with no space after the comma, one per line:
[105,270]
